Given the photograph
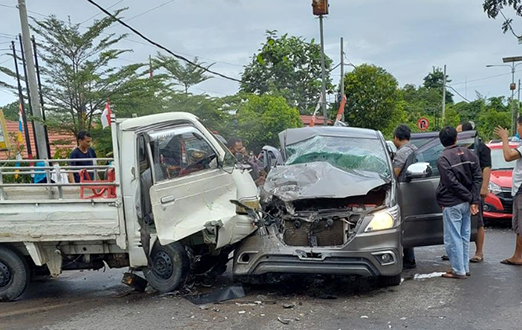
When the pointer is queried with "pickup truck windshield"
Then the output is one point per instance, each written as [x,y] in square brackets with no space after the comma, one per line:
[346,153]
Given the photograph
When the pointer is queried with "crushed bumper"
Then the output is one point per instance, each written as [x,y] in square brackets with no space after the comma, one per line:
[375,254]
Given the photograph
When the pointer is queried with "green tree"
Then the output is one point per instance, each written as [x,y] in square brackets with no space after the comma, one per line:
[288,66]
[489,120]
[435,80]
[187,75]
[372,98]
[11,110]
[494,7]
[77,74]
[261,118]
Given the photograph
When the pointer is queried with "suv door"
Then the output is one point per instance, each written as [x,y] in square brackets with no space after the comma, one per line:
[190,189]
[421,215]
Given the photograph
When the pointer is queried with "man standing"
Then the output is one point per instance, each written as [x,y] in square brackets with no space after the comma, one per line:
[401,139]
[484,156]
[458,194]
[510,155]
[82,151]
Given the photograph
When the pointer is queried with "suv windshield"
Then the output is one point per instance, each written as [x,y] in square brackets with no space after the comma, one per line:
[498,162]
[346,153]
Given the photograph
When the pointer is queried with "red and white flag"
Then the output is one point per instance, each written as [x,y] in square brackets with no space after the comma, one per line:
[106,116]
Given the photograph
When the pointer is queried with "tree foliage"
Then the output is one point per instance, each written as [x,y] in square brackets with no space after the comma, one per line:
[288,66]
[186,75]
[493,7]
[372,98]
[261,118]
[77,74]
[435,81]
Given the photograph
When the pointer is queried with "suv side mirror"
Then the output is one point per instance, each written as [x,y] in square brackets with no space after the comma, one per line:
[418,171]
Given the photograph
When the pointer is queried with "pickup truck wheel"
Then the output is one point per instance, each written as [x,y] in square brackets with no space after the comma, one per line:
[14,274]
[170,267]
[390,280]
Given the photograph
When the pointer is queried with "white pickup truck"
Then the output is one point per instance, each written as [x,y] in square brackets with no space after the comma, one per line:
[164,207]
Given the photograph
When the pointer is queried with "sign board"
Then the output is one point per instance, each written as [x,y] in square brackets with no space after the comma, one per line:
[4,138]
[423,124]
[320,7]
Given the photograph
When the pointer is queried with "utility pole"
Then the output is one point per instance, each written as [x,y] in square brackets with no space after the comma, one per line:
[48,145]
[22,106]
[444,96]
[513,87]
[518,104]
[33,85]
[28,90]
[342,73]
[323,72]
[320,8]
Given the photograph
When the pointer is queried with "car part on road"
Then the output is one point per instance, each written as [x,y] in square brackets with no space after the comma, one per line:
[170,267]
[14,274]
[227,293]
[390,280]
[134,281]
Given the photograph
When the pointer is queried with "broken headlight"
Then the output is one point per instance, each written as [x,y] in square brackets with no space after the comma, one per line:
[382,220]
[251,203]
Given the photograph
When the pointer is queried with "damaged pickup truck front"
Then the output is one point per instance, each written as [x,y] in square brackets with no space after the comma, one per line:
[331,209]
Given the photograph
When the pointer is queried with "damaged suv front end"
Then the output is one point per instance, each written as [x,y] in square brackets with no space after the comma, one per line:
[332,209]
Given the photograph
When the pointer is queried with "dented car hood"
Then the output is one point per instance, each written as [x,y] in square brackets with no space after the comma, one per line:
[319,180]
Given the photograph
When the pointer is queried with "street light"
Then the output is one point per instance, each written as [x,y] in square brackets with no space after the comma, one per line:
[320,8]
[513,85]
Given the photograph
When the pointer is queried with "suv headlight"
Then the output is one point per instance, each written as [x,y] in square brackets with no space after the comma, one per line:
[251,203]
[382,220]
[494,188]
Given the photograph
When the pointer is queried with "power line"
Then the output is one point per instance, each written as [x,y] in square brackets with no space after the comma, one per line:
[465,99]
[480,79]
[148,11]
[93,16]
[162,47]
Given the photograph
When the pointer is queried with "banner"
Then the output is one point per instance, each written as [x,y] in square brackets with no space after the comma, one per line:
[4,138]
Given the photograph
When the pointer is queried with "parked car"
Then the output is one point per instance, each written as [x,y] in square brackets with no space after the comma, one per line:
[335,207]
[498,205]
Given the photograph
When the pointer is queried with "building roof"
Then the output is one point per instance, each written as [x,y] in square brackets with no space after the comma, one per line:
[57,139]
[319,120]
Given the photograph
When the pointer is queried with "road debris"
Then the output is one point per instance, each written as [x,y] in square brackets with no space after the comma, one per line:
[284,321]
[288,305]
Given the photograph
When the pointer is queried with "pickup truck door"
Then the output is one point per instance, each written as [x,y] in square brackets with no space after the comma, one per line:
[421,215]
[190,188]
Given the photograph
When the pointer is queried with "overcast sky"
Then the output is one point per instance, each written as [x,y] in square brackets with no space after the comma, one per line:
[406,37]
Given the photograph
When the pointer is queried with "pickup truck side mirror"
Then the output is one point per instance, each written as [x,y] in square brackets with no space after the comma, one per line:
[418,171]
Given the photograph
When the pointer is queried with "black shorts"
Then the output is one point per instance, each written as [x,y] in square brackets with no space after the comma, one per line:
[480,216]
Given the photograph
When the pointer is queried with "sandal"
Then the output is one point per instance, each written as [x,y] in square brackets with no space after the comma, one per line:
[451,272]
[454,276]
[476,259]
[509,262]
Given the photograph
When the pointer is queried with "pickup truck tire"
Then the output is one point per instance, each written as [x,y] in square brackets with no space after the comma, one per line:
[170,267]
[390,280]
[14,274]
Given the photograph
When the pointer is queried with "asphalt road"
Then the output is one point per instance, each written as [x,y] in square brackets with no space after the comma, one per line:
[490,299]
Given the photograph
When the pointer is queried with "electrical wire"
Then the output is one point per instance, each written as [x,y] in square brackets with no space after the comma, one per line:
[93,16]
[162,47]
[148,11]
[465,99]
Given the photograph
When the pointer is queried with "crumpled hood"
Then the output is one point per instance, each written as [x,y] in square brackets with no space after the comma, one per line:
[319,180]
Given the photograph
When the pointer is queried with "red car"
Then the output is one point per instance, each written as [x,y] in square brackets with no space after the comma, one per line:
[498,204]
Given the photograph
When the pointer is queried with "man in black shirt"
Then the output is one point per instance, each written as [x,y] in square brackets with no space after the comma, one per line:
[484,155]
[82,151]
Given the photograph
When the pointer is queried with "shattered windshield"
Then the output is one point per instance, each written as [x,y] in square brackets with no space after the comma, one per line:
[346,153]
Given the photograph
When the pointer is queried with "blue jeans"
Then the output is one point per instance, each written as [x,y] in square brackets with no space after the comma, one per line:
[457,232]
